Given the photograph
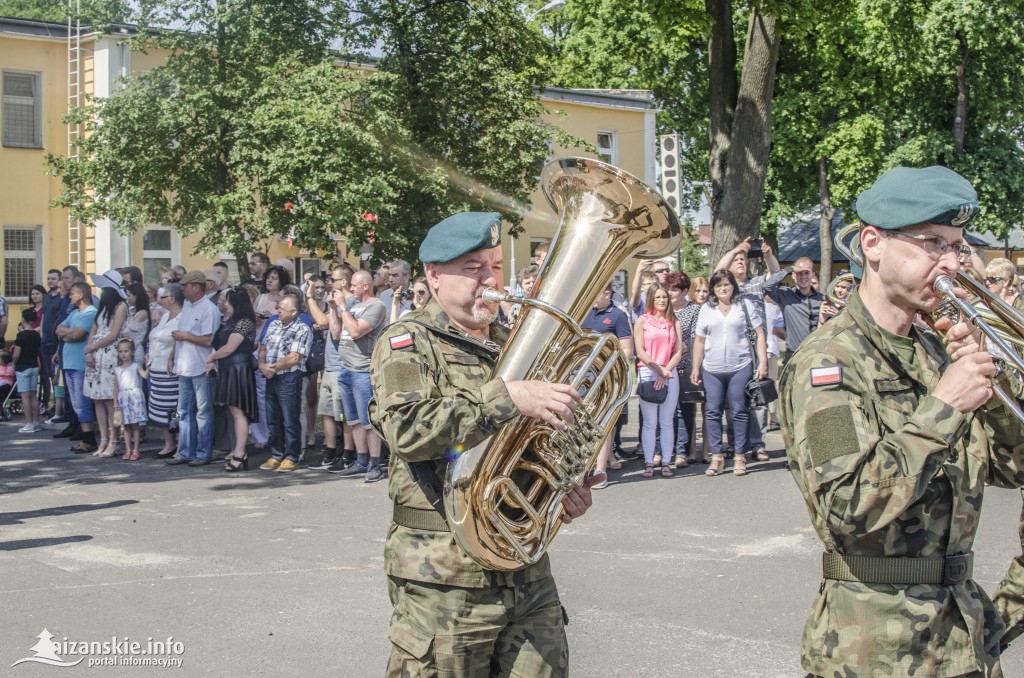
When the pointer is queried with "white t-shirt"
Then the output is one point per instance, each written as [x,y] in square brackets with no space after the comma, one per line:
[726,348]
[774,319]
[161,343]
[199,319]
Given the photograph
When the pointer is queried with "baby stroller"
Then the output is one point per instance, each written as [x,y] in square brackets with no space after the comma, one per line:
[12,404]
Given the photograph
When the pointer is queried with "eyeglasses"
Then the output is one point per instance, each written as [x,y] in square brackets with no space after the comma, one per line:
[166,296]
[936,246]
[992,280]
[661,270]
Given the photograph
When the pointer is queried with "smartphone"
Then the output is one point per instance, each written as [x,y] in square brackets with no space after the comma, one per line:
[755,249]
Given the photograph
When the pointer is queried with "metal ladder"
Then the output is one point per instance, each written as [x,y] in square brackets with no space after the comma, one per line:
[75,235]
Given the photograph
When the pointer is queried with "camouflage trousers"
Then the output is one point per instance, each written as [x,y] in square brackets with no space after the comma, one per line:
[439,630]
[1009,596]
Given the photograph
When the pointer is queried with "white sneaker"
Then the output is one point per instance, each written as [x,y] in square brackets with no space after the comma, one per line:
[27,428]
[36,428]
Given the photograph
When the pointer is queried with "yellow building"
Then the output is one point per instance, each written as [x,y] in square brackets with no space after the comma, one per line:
[43,72]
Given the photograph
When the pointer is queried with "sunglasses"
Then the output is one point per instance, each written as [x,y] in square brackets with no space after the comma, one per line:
[991,280]
[661,270]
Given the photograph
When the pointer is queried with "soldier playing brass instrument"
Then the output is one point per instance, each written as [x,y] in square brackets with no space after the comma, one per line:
[891,438]
[434,397]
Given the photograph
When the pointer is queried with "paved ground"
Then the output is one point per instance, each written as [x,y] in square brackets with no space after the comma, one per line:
[281,575]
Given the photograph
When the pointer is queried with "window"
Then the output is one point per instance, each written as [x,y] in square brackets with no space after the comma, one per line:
[607,147]
[22,109]
[157,251]
[23,261]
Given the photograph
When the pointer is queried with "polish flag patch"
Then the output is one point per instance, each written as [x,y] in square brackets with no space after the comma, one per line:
[826,376]
[401,341]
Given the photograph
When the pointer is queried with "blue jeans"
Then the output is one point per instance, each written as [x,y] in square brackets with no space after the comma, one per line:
[75,381]
[718,387]
[284,406]
[356,391]
[195,412]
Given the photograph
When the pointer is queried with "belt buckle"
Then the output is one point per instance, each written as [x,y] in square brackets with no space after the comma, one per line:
[956,569]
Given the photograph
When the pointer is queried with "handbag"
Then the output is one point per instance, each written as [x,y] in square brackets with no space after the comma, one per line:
[173,422]
[118,420]
[649,394]
[759,392]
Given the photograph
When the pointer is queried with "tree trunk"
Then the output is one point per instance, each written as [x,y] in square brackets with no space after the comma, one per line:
[721,95]
[825,226]
[742,193]
[960,121]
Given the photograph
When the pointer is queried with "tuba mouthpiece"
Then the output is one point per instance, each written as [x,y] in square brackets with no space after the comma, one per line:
[493,296]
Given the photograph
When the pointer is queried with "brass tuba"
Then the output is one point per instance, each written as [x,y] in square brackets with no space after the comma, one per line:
[503,498]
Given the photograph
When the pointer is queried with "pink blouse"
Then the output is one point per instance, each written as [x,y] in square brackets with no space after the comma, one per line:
[659,338]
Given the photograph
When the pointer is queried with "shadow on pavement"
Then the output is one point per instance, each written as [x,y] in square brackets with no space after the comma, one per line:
[16,517]
[20,544]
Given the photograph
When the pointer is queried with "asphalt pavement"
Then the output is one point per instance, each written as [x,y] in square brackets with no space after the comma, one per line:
[271,574]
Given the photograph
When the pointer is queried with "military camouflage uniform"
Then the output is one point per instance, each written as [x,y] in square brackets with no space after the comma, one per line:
[889,471]
[1009,596]
[432,397]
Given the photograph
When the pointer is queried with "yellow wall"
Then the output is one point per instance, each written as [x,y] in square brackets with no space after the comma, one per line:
[25,191]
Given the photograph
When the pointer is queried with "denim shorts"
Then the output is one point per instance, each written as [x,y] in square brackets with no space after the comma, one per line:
[28,380]
[356,392]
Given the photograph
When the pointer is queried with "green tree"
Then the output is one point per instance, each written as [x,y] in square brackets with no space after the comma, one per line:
[254,129]
[903,83]
[467,74]
[90,12]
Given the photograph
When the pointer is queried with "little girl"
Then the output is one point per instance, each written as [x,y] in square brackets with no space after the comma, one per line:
[129,398]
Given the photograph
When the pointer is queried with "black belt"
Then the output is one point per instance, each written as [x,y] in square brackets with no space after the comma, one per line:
[947,571]
[419,519]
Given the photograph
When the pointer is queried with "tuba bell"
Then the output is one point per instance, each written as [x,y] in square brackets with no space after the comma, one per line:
[503,498]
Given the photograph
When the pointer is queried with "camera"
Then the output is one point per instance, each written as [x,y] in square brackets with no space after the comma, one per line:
[405,295]
[756,250]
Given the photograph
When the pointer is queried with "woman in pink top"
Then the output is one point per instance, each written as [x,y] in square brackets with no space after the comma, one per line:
[659,347]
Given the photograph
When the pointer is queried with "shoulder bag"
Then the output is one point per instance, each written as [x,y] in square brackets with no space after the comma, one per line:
[760,392]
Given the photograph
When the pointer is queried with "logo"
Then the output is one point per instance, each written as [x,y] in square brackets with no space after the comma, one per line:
[47,652]
[963,215]
[114,652]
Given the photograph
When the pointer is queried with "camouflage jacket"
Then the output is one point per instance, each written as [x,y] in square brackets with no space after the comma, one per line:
[888,470]
[433,397]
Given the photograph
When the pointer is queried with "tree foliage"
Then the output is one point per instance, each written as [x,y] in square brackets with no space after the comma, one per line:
[90,12]
[254,128]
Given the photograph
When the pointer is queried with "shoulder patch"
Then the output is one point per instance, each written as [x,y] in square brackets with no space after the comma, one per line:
[401,341]
[826,376]
[831,433]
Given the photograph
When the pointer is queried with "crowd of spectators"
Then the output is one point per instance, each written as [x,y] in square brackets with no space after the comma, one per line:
[222,370]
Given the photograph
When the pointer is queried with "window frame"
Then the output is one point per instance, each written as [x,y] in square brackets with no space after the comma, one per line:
[36,255]
[173,254]
[612,152]
[37,102]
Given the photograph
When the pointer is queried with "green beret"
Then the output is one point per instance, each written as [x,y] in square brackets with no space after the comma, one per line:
[460,234]
[907,196]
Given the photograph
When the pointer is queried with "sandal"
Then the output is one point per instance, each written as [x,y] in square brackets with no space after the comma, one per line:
[666,471]
[233,464]
[762,456]
[681,461]
[739,465]
[83,448]
[648,471]
[657,460]
[614,464]
[717,465]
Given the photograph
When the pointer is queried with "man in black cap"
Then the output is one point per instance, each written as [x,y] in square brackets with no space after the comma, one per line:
[891,438]
[433,398]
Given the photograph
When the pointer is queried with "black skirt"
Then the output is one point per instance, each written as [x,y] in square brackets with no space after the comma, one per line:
[236,385]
